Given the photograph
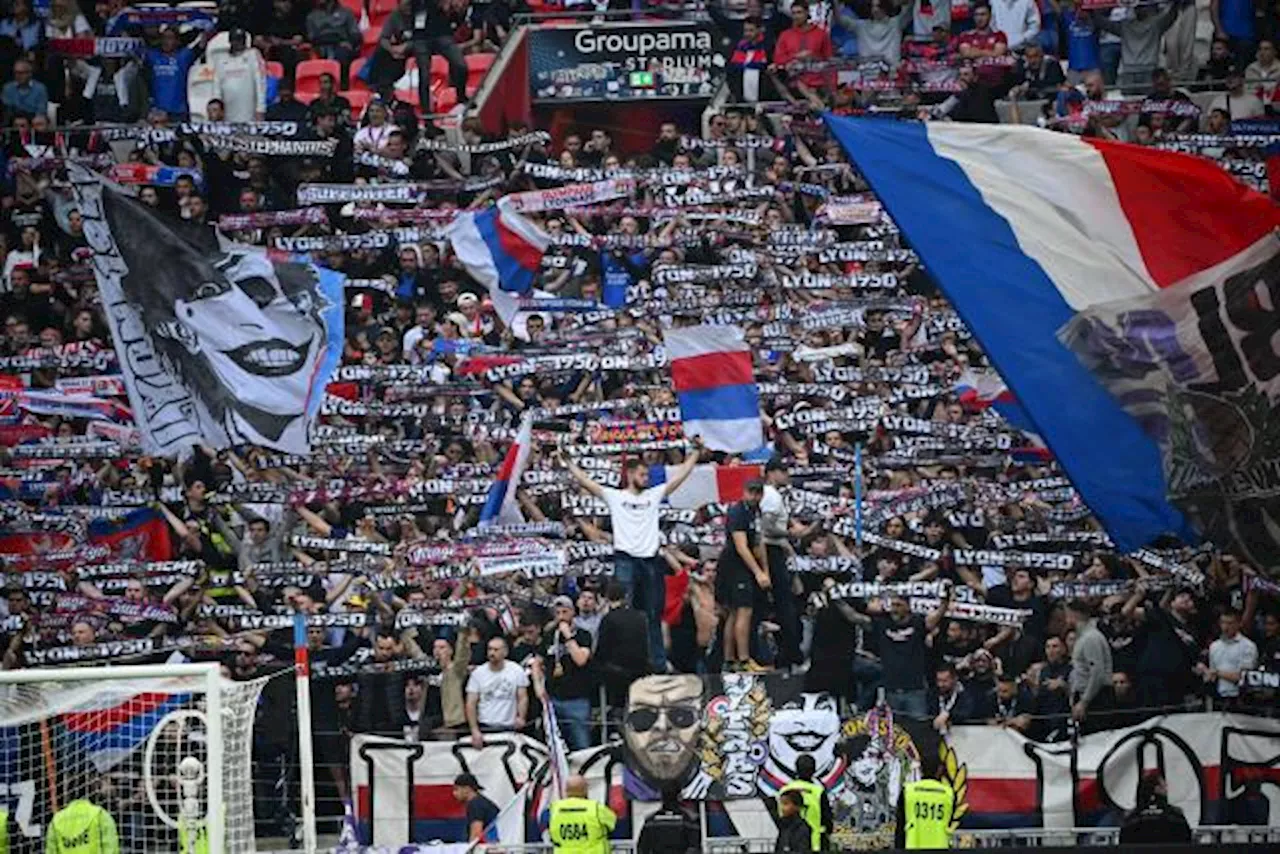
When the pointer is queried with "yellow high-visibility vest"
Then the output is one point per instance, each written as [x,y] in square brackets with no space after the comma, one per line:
[581,826]
[927,804]
[82,827]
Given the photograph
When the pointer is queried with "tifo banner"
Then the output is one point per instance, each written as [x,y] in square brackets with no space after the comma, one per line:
[1221,768]
[217,345]
[625,61]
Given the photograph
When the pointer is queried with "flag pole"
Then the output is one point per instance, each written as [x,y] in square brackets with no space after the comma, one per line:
[302,683]
[857,494]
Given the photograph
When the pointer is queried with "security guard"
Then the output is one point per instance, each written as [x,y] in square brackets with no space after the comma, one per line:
[82,827]
[924,813]
[817,807]
[578,824]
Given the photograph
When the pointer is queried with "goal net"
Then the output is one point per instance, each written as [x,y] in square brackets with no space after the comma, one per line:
[165,749]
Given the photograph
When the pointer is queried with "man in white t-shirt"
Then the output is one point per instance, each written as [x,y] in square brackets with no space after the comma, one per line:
[497,694]
[633,517]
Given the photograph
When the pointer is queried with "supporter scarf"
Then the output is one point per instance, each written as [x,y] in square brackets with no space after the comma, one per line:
[561,363]
[79,554]
[849,210]
[399,193]
[245,144]
[631,432]
[538,137]
[78,451]
[825,565]
[151,16]
[335,242]
[670,274]
[145,569]
[330,672]
[115,607]
[34,580]
[826,281]
[843,253]
[424,554]
[1128,108]
[269,219]
[741,142]
[158,136]
[409,215]
[97,162]
[1027,538]
[573,194]
[85,47]
[399,168]
[93,652]
[577,504]
[1009,559]
[1111,587]
[629,448]
[864,408]
[550,564]
[155,176]
[794,236]
[1259,680]
[349,544]
[973,612]
[1189,575]
[909,374]
[413,618]
[834,393]
[630,241]
[257,621]
[522,529]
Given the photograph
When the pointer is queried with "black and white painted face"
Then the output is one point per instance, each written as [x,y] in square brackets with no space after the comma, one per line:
[260,342]
[808,724]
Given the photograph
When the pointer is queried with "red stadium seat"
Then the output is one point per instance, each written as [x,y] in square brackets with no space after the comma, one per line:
[359,99]
[276,70]
[305,97]
[478,65]
[307,76]
[356,7]
[443,99]
[353,81]
[439,68]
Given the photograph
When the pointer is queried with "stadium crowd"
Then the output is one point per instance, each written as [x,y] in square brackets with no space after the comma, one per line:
[866,379]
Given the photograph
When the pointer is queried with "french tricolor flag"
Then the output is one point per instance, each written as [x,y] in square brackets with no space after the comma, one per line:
[110,728]
[502,250]
[501,507]
[1083,264]
[714,380]
[706,484]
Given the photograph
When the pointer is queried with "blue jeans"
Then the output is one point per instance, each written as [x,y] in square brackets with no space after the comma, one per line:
[574,717]
[1109,54]
[867,675]
[645,583]
[909,703]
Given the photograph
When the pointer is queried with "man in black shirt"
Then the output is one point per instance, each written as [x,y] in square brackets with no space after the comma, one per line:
[622,649]
[741,570]
[567,652]
[480,810]
[1170,646]
[900,642]
[1049,683]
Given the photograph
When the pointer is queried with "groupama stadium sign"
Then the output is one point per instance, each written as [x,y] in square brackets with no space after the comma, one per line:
[625,61]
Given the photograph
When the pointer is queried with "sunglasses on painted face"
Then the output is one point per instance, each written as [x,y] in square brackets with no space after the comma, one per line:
[680,717]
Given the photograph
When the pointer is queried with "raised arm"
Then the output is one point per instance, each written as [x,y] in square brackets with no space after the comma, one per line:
[686,467]
[584,480]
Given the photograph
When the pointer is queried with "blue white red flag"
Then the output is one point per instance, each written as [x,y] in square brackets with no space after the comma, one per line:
[502,250]
[501,507]
[715,383]
[112,727]
[1127,295]
[986,390]
[707,484]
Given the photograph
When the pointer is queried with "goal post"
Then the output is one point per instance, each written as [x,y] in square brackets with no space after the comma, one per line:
[166,749]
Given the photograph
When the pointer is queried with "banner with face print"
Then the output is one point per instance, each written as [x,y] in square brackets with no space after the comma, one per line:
[217,344]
